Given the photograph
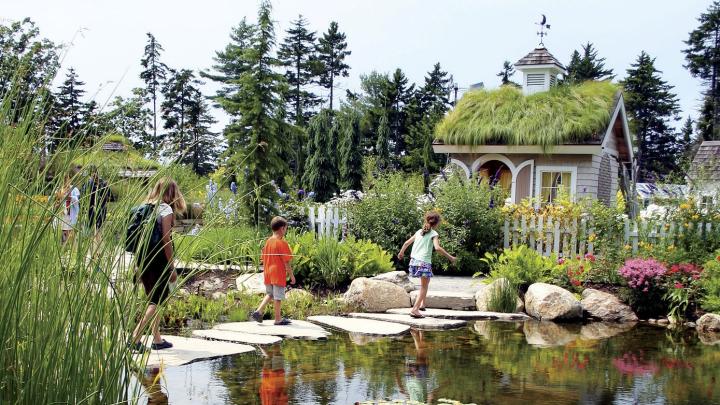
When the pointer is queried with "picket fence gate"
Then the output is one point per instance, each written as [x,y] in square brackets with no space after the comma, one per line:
[569,238]
[327,221]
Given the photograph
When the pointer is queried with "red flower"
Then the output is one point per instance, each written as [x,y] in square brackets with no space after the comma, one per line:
[678,285]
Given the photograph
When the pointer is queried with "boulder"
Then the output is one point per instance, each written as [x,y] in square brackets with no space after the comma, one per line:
[446,299]
[549,334]
[211,284]
[217,295]
[482,296]
[253,283]
[549,302]
[709,338]
[398,278]
[606,307]
[709,323]
[376,295]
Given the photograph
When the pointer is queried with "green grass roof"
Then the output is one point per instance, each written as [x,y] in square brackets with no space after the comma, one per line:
[564,115]
[129,159]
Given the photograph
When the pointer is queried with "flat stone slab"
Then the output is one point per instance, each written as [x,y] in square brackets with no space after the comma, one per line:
[236,337]
[458,300]
[421,323]
[465,315]
[296,330]
[189,350]
[361,326]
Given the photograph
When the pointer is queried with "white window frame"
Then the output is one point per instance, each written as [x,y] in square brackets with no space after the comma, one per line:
[539,170]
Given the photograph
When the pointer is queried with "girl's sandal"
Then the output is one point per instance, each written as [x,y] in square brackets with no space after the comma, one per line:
[417,316]
[422,308]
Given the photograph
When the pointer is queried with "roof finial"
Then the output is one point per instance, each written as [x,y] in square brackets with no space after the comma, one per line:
[543,26]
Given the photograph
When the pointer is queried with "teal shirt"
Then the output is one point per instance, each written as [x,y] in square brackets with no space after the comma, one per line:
[423,247]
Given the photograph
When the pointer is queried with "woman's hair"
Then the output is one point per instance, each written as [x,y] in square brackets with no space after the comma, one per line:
[432,218]
[167,191]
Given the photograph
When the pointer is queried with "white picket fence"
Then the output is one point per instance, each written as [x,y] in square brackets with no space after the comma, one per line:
[566,238]
[327,221]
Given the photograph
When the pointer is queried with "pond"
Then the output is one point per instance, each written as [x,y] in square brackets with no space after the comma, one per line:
[487,362]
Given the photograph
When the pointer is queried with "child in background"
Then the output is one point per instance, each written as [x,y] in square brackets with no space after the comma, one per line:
[424,241]
[276,256]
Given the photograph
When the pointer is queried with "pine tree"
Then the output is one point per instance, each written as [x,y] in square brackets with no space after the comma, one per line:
[587,67]
[252,95]
[332,51]
[688,140]
[350,149]
[130,118]
[153,75]
[382,148]
[397,97]
[435,93]
[507,71]
[297,54]
[651,105]
[178,91]
[703,61]
[203,150]
[68,111]
[321,172]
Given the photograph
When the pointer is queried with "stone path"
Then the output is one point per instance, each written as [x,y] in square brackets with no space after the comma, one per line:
[421,323]
[458,300]
[237,337]
[296,330]
[361,326]
[464,315]
[188,350]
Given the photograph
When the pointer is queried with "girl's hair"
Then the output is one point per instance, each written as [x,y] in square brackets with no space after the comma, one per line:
[432,218]
[167,191]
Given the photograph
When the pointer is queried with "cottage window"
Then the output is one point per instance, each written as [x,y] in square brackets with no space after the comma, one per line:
[554,181]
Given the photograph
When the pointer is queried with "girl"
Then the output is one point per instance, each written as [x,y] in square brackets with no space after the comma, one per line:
[156,268]
[423,243]
[69,198]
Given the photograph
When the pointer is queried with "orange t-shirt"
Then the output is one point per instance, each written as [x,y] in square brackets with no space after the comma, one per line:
[275,255]
[272,387]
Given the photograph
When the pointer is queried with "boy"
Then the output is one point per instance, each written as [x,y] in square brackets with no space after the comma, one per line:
[276,256]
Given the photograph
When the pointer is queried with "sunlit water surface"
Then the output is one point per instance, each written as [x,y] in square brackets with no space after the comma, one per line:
[484,363]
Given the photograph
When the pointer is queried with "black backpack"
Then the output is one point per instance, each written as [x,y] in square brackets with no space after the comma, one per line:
[137,229]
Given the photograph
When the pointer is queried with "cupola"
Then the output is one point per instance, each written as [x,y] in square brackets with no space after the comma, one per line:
[540,70]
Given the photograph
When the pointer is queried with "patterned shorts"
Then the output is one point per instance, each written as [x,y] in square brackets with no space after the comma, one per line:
[419,268]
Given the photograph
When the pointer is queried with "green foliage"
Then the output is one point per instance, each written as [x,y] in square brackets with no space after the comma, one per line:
[587,67]
[472,225]
[382,148]
[154,74]
[388,214]
[222,245]
[321,171]
[503,297]
[331,53]
[710,284]
[296,53]
[565,114]
[327,262]
[521,266]
[351,160]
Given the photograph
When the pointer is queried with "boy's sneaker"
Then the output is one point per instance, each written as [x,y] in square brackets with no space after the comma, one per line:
[283,321]
[255,315]
[162,345]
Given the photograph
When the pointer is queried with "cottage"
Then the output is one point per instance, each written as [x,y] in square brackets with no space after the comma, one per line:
[542,138]
[704,175]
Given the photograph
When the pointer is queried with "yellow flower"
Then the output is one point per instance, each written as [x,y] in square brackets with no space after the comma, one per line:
[671,247]
[592,237]
[684,206]
[686,225]
[696,217]
[627,247]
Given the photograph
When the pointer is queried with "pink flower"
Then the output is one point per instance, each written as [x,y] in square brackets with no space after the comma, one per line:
[678,285]
[561,261]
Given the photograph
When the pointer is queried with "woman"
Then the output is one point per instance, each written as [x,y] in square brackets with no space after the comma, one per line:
[69,198]
[156,266]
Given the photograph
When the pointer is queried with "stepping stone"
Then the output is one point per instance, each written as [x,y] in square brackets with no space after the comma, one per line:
[189,350]
[296,330]
[361,326]
[236,337]
[466,315]
[421,323]
[447,299]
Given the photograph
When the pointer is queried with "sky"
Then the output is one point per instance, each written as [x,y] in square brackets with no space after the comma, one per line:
[470,38]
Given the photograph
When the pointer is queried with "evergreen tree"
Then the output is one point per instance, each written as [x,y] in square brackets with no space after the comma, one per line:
[350,149]
[588,66]
[507,71]
[252,96]
[321,172]
[435,93]
[332,51]
[372,104]
[397,96]
[382,148]
[688,140]
[297,54]
[703,61]
[69,110]
[651,105]
[154,74]
[178,91]
[130,118]
[203,150]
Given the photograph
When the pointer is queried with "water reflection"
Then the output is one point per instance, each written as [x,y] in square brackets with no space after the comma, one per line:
[485,363]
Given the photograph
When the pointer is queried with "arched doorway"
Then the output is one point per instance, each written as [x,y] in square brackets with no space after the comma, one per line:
[495,172]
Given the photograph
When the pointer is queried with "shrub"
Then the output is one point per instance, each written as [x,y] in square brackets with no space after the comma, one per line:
[646,288]
[710,284]
[683,289]
[388,214]
[521,266]
[572,272]
[473,226]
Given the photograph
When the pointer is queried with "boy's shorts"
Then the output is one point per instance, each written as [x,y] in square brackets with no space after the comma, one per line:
[276,292]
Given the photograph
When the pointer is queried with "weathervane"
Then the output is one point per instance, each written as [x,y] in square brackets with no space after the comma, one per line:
[543,26]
